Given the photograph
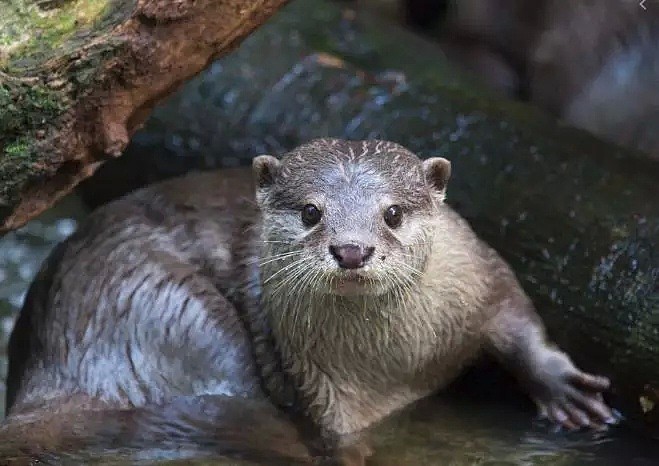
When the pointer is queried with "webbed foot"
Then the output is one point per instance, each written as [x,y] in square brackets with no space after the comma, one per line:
[573,399]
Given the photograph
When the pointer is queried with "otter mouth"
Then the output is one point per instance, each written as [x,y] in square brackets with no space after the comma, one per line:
[352,275]
[348,282]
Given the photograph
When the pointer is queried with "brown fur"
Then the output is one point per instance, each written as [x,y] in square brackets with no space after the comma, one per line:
[172,290]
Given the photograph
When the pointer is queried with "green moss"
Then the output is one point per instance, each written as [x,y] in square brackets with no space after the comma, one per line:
[29,34]
[26,106]
[25,109]
[19,163]
[50,54]
[17,155]
[17,149]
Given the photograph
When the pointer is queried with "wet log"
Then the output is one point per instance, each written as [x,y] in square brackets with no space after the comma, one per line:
[78,77]
[577,218]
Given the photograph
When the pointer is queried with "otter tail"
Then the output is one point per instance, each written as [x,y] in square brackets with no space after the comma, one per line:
[201,428]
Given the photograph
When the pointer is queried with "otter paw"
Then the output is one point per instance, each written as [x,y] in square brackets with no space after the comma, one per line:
[576,402]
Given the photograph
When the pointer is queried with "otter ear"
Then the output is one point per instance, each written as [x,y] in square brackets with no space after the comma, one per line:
[437,171]
[266,168]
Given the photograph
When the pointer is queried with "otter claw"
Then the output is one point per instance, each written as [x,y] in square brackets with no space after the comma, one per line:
[577,403]
[615,418]
[558,415]
[595,383]
[542,412]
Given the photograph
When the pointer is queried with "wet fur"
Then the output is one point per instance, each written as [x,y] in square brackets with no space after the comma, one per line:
[181,289]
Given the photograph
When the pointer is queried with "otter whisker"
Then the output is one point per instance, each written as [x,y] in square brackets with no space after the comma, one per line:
[398,290]
[312,332]
[300,279]
[292,272]
[282,292]
[389,284]
[278,257]
[274,258]
[300,268]
[309,282]
[284,269]
[284,300]
[406,281]
[409,256]
[408,268]
[403,284]
[319,282]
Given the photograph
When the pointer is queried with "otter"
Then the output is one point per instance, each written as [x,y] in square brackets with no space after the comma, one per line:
[334,281]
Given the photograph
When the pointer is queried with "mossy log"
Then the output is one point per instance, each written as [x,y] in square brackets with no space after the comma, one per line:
[78,77]
[577,218]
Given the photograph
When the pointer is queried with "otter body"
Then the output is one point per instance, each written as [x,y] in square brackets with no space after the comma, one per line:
[127,310]
[343,286]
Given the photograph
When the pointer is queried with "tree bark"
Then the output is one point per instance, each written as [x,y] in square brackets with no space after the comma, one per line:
[78,77]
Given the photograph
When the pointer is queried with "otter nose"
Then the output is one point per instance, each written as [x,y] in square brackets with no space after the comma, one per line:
[351,256]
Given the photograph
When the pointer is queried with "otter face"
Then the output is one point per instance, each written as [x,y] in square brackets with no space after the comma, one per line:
[347,217]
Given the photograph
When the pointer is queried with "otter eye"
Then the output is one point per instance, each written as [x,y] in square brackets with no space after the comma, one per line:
[311,215]
[393,216]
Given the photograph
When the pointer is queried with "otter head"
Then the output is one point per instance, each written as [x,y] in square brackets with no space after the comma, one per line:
[347,217]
